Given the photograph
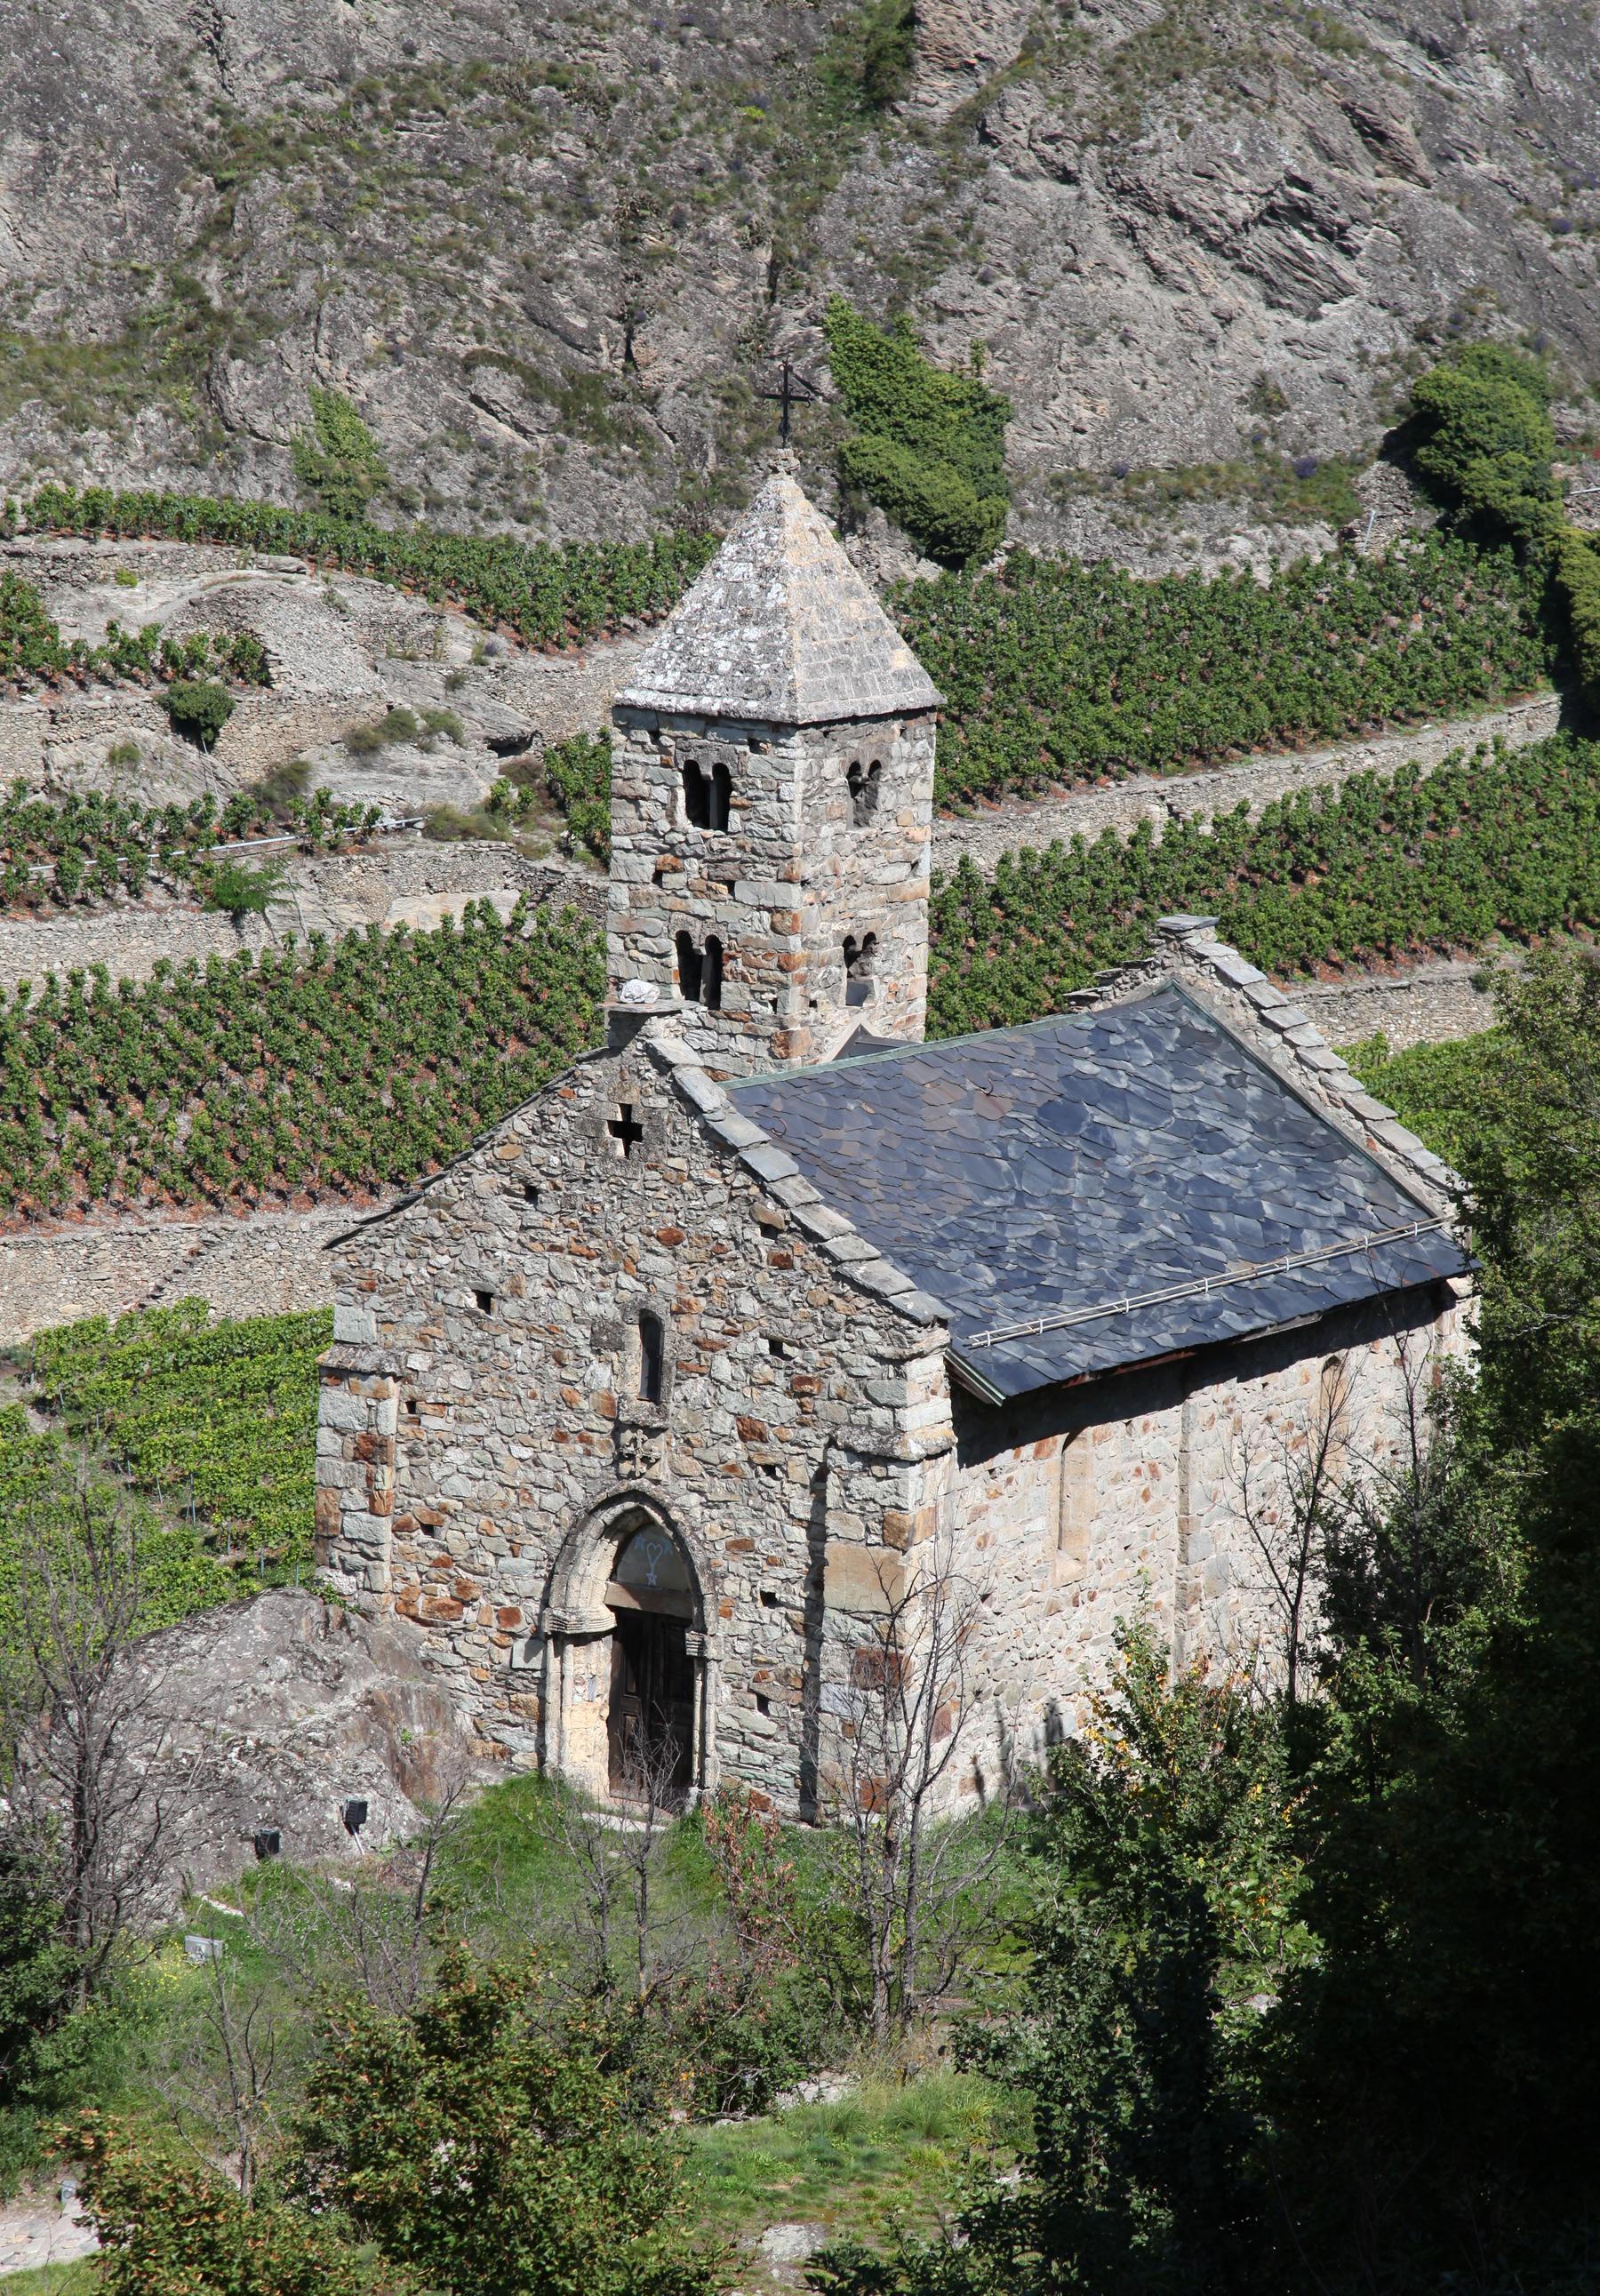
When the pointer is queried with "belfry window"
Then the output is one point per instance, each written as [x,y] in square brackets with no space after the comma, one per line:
[863,782]
[700,972]
[651,1357]
[708,793]
[860,964]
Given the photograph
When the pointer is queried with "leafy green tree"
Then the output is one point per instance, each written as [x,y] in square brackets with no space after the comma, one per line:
[471,2145]
[929,445]
[336,458]
[1166,1837]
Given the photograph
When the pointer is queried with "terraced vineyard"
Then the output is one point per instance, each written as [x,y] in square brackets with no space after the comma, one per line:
[89,848]
[550,596]
[1056,671]
[212,1424]
[335,1068]
[1499,842]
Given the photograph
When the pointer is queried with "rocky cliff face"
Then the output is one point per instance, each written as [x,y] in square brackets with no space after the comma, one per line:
[554,248]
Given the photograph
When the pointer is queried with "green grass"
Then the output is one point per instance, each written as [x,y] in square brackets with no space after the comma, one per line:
[78,2278]
[893,2152]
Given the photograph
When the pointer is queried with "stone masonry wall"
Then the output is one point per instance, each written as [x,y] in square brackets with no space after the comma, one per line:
[484,1448]
[1255,781]
[1079,1508]
[781,887]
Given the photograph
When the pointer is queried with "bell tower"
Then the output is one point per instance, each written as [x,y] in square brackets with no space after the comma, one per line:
[772,801]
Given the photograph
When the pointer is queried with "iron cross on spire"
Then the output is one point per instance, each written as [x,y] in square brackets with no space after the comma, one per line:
[784,395]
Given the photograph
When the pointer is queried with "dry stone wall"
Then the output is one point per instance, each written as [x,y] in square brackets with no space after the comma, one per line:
[263,1264]
[411,882]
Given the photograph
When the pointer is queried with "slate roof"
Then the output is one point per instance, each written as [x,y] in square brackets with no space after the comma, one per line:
[1072,1168]
[780,627]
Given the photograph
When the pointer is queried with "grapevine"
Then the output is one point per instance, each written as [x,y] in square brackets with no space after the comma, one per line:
[335,1068]
[549,594]
[88,847]
[1496,843]
[32,649]
[1057,672]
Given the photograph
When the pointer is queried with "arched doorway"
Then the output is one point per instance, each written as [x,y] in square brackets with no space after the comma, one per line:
[649,1722]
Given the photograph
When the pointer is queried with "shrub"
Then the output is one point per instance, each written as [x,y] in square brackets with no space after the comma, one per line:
[1578,571]
[472,2146]
[889,40]
[929,445]
[1486,440]
[240,892]
[396,724]
[199,709]
[336,458]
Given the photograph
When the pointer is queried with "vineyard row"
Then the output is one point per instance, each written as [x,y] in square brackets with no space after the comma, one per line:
[368,1062]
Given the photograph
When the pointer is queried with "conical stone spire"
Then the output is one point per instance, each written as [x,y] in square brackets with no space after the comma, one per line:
[780,628]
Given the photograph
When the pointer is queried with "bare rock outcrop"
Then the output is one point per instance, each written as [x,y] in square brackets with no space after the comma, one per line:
[552,250]
[274,1713]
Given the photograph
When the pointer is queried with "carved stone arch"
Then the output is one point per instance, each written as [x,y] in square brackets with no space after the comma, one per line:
[589,1628]
[582,1565]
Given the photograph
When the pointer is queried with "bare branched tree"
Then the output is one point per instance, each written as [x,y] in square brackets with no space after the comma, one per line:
[82,1724]
[224,2082]
[914,1873]
[1289,1477]
[624,1943]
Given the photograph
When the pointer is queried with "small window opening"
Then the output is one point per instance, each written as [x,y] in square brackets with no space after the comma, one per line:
[860,962]
[486,1302]
[778,1347]
[769,1468]
[710,987]
[763,1703]
[623,1130]
[690,969]
[700,972]
[650,1358]
[413,1407]
[531,1194]
[863,782]
[722,794]
[697,796]
[770,1601]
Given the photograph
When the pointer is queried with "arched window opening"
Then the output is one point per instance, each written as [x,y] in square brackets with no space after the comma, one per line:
[722,795]
[697,796]
[863,782]
[710,985]
[689,969]
[651,1357]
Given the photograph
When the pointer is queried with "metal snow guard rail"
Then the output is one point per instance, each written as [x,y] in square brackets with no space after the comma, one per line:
[998,1334]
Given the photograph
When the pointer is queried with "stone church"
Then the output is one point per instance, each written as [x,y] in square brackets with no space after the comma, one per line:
[761,1315]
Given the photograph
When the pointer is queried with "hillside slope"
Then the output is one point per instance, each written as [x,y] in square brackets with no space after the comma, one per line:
[552,248]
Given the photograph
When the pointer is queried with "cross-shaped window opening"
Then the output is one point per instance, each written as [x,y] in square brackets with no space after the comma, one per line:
[623,1130]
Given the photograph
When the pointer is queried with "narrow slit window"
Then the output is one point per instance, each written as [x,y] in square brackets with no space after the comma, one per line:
[711,984]
[722,795]
[651,1348]
[486,1302]
[689,969]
